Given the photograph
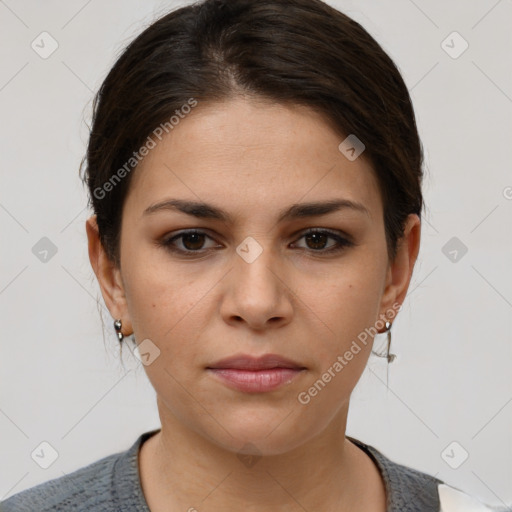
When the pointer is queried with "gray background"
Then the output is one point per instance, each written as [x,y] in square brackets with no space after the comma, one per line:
[62,382]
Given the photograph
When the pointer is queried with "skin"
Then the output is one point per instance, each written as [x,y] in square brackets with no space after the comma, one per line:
[253,158]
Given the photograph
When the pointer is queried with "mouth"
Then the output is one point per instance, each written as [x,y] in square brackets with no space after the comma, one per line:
[256,374]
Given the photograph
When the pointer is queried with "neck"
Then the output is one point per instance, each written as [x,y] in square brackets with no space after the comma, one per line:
[182,470]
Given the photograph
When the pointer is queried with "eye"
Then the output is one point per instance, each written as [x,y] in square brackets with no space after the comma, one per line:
[317,239]
[191,242]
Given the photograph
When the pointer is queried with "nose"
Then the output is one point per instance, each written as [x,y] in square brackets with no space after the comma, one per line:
[256,291]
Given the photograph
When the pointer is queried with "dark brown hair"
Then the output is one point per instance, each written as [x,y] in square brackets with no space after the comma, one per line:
[300,52]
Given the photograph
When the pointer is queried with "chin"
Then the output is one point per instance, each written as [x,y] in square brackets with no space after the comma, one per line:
[261,434]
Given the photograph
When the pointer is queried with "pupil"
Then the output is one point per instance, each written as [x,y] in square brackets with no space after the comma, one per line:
[193,236]
[314,237]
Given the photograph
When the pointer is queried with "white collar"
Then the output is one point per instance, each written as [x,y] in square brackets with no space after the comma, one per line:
[454,500]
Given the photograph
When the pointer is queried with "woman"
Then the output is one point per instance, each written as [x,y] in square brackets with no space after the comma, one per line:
[255,173]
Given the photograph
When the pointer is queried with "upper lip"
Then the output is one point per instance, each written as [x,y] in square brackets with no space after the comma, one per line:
[247,362]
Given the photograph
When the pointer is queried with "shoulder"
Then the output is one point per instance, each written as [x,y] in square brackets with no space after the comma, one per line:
[455,500]
[409,489]
[87,488]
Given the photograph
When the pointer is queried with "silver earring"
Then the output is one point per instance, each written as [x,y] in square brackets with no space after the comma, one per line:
[117,327]
[390,357]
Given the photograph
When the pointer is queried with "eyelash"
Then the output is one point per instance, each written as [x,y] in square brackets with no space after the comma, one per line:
[342,243]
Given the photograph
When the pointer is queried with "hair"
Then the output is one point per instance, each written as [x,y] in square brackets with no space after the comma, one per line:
[296,52]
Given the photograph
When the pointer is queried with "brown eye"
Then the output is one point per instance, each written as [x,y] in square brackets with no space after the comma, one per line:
[316,240]
[191,242]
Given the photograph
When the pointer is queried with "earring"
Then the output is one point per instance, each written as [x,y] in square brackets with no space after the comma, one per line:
[117,327]
[390,357]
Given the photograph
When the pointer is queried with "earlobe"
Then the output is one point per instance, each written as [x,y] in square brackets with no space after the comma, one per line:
[108,276]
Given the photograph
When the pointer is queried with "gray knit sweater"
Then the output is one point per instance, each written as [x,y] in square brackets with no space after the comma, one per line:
[112,484]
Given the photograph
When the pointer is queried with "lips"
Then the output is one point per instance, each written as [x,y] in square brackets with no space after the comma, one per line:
[247,362]
[255,374]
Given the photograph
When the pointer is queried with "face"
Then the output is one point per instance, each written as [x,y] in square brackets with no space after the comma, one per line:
[256,276]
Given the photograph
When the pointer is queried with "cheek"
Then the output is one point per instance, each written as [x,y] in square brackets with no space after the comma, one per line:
[341,344]
[165,310]
[340,311]
[346,301]
[166,306]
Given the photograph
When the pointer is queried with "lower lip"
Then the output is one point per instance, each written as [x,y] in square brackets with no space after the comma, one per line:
[256,381]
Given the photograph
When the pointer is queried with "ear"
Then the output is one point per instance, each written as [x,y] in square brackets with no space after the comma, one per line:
[400,270]
[109,277]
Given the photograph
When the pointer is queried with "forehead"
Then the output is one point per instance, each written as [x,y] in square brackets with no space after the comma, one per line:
[245,152]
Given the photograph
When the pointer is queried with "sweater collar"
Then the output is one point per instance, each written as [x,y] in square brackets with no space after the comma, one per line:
[407,489]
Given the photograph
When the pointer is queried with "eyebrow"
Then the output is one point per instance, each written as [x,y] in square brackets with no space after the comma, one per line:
[298,210]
